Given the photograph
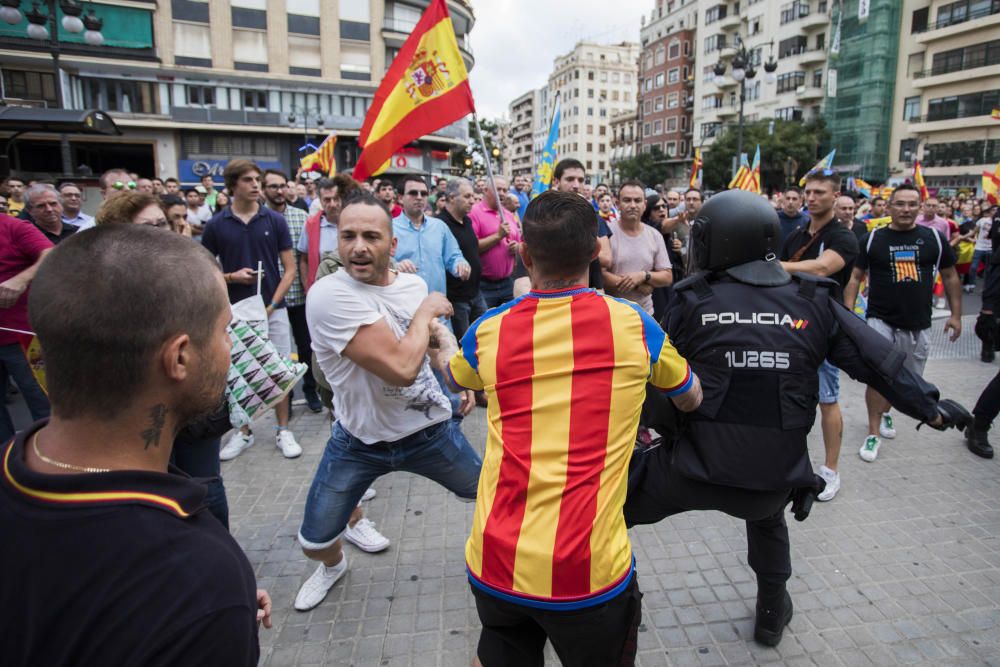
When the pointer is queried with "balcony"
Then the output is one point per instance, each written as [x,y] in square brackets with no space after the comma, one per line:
[809,93]
[928,124]
[730,22]
[725,82]
[812,57]
[815,21]
[727,52]
[727,112]
[984,19]
[940,77]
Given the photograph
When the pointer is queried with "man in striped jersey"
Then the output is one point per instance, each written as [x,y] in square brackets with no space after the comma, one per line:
[565,371]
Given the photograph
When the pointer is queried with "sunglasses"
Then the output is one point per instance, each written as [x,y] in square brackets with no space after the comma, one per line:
[660,206]
[417,193]
[118,185]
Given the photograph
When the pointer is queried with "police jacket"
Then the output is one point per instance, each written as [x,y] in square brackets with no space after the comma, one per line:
[757,349]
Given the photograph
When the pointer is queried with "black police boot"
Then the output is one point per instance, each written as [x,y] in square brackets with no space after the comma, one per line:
[770,624]
[978,443]
[988,354]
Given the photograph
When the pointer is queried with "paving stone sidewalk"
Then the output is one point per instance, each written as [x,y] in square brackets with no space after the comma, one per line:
[903,567]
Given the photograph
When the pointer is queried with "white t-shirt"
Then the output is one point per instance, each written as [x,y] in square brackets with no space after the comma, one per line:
[983,242]
[371,410]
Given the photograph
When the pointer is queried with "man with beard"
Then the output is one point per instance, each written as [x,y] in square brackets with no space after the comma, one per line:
[165,583]
[371,329]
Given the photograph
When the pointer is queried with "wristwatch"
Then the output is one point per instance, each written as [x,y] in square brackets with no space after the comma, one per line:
[648,276]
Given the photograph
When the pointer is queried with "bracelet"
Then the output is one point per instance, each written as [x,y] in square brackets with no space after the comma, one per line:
[274,306]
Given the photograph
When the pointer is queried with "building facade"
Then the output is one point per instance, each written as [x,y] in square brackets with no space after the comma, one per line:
[193,83]
[625,139]
[593,82]
[794,33]
[666,86]
[524,116]
[947,84]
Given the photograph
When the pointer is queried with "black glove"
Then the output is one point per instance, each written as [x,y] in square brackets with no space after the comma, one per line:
[803,498]
[953,414]
[986,328]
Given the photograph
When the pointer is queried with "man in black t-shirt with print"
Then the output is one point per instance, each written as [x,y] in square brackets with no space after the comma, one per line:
[824,247]
[902,262]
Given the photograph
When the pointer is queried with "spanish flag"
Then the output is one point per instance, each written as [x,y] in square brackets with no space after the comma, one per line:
[918,180]
[695,181]
[991,186]
[995,115]
[323,159]
[426,88]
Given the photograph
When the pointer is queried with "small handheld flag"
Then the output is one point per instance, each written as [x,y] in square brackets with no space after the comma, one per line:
[825,163]
[991,186]
[754,183]
[742,174]
[323,160]
[995,115]
[918,180]
[695,181]
[543,174]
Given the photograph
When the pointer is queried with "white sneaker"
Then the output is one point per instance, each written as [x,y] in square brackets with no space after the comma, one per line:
[235,445]
[287,444]
[369,494]
[869,450]
[886,428]
[319,584]
[364,536]
[832,478]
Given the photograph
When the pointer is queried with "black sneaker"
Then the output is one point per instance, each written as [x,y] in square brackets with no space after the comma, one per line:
[770,624]
[978,443]
[312,400]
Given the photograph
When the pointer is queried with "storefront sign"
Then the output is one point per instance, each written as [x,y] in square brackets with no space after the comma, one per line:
[190,172]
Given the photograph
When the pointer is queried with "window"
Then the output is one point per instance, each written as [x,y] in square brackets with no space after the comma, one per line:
[590,76]
[645,129]
[661,55]
[659,80]
[674,75]
[790,81]
[590,93]
[648,63]
[711,102]
[671,148]
[355,61]
[616,77]
[590,147]
[715,42]
[590,111]
[30,85]
[658,103]
[965,10]
[304,54]
[963,153]
[200,96]
[755,26]
[707,74]
[255,100]
[628,77]
[977,55]
[602,130]
[647,106]
[817,81]
[792,46]
[709,130]
[713,14]
[600,148]
[794,11]
[788,113]
[249,46]
[673,100]
[614,95]
[192,40]
[672,124]
[962,106]
[604,77]
[355,10]
[751,90]
[906,150]
[658,127]
[674,51]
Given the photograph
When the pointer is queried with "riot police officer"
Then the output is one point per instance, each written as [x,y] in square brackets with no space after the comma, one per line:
[756,336]
[988,405]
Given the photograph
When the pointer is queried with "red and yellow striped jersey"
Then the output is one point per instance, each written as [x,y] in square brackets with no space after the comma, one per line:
[565,372]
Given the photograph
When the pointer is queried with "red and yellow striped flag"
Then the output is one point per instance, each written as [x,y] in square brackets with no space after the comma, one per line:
[918,180]
[991,186]
[323,159]
[995,115]
[426,88]
[695,181]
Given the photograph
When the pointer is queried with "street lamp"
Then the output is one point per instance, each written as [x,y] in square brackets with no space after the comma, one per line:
[306,113]
[42,26]
[743,70]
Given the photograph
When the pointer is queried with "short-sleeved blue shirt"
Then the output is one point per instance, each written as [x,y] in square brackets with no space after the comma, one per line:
[240,245]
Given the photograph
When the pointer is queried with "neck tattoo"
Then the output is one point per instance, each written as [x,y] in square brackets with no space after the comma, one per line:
[151,436]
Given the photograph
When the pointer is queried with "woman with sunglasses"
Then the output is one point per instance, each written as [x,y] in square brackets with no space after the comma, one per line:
[654,215]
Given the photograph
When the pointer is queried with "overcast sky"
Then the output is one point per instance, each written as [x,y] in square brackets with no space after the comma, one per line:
[516,41]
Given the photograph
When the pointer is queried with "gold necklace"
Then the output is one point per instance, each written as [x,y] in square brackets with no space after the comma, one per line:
[59,464]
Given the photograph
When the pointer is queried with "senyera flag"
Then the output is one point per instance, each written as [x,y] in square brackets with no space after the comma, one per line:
[426,88]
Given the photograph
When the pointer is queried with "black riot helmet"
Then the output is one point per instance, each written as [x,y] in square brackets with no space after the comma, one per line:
[732,228]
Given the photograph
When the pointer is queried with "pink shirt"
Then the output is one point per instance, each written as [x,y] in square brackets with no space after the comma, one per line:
[20,245]
[497,262]
[938,223]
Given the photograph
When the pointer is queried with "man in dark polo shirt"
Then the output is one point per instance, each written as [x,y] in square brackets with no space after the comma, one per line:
[823,246]
[464,295]
[42,203]
[243,235]
[117,561]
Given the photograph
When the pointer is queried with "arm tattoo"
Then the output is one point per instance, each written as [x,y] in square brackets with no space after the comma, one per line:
[151,435]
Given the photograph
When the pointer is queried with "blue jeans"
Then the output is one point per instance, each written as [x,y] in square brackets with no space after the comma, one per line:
[978,257]
[467,312]
[349,467]
[829,383]
[497,292]
[14,365]
[199,457]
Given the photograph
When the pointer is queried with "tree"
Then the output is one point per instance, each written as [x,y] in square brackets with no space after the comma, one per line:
[790,140]
[649,168]
[474,150]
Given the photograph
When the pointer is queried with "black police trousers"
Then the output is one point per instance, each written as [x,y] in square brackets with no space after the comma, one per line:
[656,490]
[988,405]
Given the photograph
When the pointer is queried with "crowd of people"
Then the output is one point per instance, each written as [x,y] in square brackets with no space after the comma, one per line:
[410,304]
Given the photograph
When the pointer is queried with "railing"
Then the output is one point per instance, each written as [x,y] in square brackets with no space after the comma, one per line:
[933,118]
[973,63]
[970,16]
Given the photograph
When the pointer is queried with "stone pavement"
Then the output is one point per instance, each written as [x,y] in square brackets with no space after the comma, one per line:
[903,567]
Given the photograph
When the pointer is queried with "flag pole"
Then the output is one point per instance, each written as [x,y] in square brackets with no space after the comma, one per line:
[489,169]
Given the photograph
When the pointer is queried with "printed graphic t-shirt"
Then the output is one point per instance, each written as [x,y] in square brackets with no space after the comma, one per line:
[902,267]
[369,408]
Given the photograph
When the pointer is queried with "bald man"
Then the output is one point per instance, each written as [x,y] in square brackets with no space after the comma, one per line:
[844,209]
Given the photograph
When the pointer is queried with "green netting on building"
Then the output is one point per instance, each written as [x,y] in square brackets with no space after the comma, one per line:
[859,116]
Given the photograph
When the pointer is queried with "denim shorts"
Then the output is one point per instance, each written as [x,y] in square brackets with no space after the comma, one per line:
[349,467]
[829,383]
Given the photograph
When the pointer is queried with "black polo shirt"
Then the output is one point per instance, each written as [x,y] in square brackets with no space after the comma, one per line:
[66,232]
[119,568]
[833,236]
[240,245]
[458,289]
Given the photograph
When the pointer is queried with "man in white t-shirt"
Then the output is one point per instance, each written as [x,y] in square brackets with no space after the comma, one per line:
[983,252]
[371,334]
[639,260]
